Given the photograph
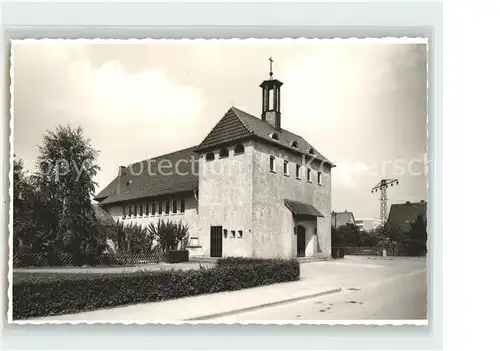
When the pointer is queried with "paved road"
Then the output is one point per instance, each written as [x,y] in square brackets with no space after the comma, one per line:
[372,289]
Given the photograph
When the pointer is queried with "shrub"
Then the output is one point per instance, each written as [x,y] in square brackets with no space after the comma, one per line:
[52,294]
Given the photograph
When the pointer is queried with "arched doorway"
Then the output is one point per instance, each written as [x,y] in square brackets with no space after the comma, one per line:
[301,241]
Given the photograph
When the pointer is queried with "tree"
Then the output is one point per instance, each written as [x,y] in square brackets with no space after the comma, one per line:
[415,241]
[347,235]
[23,203]
[65,170]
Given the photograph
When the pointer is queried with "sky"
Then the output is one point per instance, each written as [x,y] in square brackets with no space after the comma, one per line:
[361,104]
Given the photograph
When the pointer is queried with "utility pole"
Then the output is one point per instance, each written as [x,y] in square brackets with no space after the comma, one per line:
[382,186]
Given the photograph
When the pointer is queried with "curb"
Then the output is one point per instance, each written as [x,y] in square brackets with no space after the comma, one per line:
[269,304]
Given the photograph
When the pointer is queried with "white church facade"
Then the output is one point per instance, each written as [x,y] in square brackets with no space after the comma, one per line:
[250,188]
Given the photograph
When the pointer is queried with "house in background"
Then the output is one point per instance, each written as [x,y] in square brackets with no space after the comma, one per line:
[342,218]
[401,215]
[367,224]
[250,188]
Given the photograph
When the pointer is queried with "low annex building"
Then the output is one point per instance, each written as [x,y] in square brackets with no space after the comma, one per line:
[250,188]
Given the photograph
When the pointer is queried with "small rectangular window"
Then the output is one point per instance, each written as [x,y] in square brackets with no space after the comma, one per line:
[135,210]
[319,177]
[141,210]
[124,211]
[297,171]
[167,206]
[174,206]
[285,167]
[240,233]
[309,175]
[153,208]
[271,164]
[225,233]
[147,209]
[315,230]
[160,207]
[233,234]
[130,210]
[183,205]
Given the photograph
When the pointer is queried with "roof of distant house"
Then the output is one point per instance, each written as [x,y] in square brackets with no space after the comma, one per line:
[401,215]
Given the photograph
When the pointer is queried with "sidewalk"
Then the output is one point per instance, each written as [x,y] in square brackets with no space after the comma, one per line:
[205,306]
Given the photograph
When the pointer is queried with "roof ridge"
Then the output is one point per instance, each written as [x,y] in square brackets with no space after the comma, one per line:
[235,110]
[170,153]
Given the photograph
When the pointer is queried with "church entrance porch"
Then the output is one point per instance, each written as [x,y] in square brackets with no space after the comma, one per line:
[305,220]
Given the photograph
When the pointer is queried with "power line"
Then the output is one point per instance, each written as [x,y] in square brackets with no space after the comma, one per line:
[382,186]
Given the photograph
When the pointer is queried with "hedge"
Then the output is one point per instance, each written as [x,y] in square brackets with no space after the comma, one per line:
[40,294]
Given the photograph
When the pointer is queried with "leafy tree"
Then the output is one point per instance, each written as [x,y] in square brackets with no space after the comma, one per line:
[65,170]
[347,235]
[23,202]
[415,242]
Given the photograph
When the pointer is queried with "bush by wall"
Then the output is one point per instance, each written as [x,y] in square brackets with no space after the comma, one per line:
[176,256]
[53,294]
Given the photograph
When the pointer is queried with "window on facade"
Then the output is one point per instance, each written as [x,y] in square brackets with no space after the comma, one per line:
[167,206]
[174,206]
[225,233]
[135,210]
[147,209]
[297,171]
[308,174]
[153,208]
[223,153]
[160,207]
[233,234]
[272,166]
[239,149]
[240,233]
[141,209]
[295,144]
[315,230]
[210,156]
[319,177]
[285,167]
[275,136]
[130,210]
[124,211]
[183,205]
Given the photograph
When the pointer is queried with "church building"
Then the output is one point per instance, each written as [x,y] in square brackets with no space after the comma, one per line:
[250,188]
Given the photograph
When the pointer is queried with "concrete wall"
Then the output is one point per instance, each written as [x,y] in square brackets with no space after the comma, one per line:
[273,222]
[226,188]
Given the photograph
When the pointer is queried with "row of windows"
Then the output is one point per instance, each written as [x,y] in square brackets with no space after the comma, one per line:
[294,144]
[298,168]
[233,233]
[240,149]
[224,152]
[154,208]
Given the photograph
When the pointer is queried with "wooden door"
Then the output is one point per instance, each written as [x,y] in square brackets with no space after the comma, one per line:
[216,241]
[301,241]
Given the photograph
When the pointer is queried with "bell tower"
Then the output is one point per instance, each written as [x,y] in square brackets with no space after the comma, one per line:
[271,99]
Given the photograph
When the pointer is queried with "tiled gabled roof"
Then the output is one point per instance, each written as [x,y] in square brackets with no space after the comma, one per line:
[401,215]
[238,125]
[163,179]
